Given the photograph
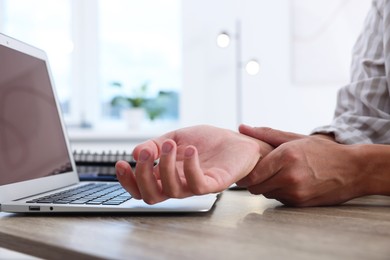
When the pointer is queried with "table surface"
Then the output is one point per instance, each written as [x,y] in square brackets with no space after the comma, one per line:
[240,226]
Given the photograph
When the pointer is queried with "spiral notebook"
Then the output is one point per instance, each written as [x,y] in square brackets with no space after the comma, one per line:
[37,169]
[99,166]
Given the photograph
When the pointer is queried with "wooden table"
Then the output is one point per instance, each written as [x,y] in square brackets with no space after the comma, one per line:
[241,227]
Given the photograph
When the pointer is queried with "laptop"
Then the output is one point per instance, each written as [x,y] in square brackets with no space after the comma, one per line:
[37,170]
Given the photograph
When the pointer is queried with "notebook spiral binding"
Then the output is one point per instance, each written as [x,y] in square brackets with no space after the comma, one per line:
[94,166]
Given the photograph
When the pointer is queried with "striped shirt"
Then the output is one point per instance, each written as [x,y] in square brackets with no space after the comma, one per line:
[363,107]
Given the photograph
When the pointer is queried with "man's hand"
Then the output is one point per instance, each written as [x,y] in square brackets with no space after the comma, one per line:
[192,161]
[305,170]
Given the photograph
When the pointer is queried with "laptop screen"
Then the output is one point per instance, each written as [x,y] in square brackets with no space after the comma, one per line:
[32,143]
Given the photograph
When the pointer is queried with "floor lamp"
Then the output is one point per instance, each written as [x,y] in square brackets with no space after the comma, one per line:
[252,67]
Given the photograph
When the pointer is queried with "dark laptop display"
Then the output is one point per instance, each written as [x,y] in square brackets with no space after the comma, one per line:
[31,138]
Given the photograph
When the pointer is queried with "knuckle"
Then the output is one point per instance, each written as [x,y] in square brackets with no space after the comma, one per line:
[254,190]
[294,179]
[172,193]
[150,201]
[251,178]
[289,153]
[268,196]
[197,190]
[298,197]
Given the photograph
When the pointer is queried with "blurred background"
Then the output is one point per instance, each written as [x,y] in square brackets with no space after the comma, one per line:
[134,69]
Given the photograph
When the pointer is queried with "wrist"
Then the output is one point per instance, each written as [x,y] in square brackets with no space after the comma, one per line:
[374,164]
[264,147]
[329,136]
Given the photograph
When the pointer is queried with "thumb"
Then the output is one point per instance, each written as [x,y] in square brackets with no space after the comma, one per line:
[269,135]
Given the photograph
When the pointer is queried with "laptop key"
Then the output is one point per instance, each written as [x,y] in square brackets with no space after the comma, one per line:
[93,194]
[81,201]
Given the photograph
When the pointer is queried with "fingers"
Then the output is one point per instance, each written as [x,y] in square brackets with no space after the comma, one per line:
[193,172]
[172,185]
[177,175]
[278,189]
[269,135]
[289,187]
[126,178]
[148,185]
[149,145]
[153,145]
[265,169]
[194,181]
[143,184]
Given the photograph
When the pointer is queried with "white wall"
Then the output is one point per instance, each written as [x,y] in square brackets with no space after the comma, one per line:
[208,75]
[270,98]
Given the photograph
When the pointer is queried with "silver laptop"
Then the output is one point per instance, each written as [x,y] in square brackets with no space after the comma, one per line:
[37,170]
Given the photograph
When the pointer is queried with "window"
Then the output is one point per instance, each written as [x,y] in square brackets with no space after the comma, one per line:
[48,28]
[139,46]
[102,49]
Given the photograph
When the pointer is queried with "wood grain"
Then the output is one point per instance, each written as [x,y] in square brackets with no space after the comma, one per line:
[241,226]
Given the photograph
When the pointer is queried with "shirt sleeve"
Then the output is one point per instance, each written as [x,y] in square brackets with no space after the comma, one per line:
[363,106]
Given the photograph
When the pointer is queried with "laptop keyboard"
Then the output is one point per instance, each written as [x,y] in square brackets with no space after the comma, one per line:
[89,194]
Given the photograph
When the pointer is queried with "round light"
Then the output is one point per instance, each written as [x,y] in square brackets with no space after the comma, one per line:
[223,40]
[252,67]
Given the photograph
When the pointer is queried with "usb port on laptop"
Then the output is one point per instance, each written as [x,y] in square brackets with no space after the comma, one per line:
[34,208]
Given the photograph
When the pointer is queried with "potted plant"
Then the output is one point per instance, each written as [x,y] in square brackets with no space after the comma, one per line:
[133,107]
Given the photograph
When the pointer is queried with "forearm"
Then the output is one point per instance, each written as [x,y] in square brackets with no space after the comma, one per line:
[368,163]
[375,162]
